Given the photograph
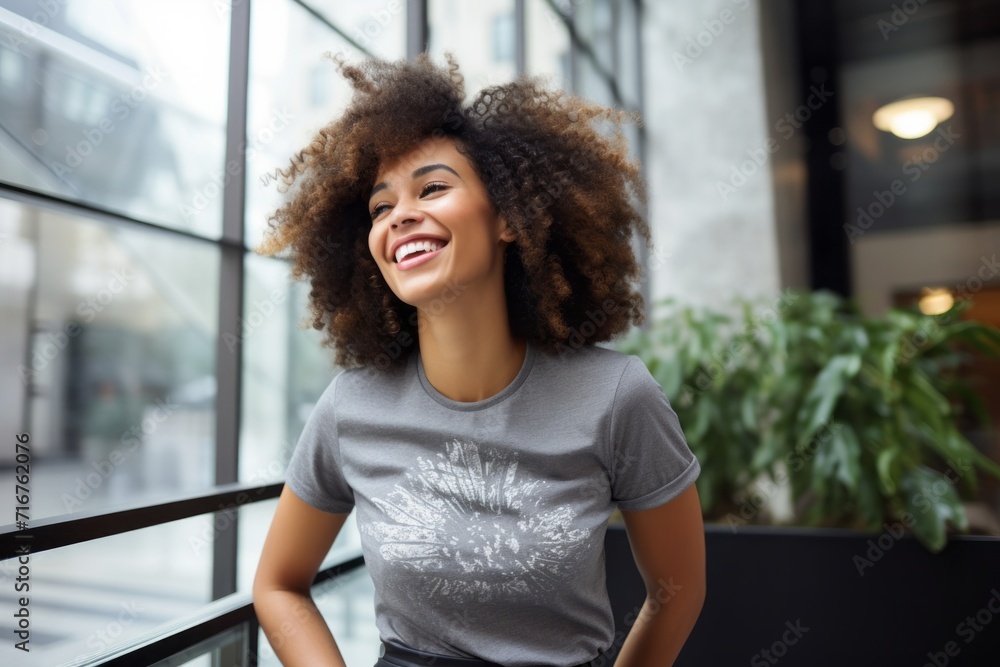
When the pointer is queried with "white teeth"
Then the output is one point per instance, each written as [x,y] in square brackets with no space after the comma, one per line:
[407,248]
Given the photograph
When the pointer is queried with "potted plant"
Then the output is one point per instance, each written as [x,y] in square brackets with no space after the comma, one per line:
[856,415]
[854,420]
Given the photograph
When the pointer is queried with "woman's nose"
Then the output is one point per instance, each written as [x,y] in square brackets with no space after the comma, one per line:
[405,213]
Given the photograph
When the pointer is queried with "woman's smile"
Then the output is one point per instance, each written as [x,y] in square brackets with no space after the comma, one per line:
[418,258]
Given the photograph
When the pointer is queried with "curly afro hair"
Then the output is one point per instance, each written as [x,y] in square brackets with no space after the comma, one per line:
[569,192]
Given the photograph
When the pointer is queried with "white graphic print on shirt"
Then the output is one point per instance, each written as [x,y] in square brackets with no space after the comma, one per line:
[473,530]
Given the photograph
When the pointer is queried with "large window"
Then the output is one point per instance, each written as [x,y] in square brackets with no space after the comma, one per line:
[110,337]
[138,139]
[118,104]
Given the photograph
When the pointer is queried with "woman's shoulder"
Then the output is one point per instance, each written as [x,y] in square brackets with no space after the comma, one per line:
[360,381]
[603,362]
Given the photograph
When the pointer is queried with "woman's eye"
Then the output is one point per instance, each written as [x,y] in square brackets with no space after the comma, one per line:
[428,188]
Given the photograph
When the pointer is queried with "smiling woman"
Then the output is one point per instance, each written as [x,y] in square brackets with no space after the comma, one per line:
[569,196]
[483,438]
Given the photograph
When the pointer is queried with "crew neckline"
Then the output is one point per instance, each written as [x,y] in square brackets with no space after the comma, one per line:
[466,406]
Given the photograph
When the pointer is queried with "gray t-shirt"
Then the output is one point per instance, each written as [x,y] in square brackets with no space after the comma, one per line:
[482,523]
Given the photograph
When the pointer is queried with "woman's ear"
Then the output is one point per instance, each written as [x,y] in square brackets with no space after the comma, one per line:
[506,233]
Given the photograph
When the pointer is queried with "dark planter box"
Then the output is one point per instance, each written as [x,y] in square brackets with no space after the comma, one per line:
[909,607]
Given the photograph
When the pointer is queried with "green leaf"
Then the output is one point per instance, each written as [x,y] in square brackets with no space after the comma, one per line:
[748,412]
[885,472]
[960,447]
[976,335]
[702,417]
[825,391]
[869,499]
[846,453]
[932,501]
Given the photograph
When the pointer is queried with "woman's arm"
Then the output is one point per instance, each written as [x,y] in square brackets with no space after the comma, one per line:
[297,542]
[668,544]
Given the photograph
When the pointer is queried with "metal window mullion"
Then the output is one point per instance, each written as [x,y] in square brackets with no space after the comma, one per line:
[616,64]
[574,51]
[646,284]
[229,349]
[417,31]
[253,642]
[520,42]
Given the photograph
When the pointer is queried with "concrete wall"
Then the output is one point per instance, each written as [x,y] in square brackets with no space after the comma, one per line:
[712,193]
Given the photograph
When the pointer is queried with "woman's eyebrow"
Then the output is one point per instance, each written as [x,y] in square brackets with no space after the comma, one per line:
[420,171]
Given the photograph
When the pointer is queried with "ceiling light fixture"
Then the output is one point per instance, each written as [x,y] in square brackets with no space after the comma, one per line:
[935,301]
[914,117]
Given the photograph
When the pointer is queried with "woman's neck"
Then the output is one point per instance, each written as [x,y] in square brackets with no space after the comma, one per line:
[469,356]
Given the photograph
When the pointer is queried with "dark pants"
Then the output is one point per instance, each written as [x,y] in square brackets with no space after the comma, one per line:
[401,655]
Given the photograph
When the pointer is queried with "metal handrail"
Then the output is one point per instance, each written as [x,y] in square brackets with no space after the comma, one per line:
[75,528]
[200,626]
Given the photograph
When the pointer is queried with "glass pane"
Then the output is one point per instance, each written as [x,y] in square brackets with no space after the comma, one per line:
[932,179]
[115,383]
[627,76]
[547,47]
[226,649]
[91,596]
[480,34]
[348,606]
[293,92]
[594,27]
[120,104]
[594,22]
[285,369]
[377,26]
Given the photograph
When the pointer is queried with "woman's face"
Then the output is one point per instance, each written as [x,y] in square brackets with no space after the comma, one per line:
[432,194]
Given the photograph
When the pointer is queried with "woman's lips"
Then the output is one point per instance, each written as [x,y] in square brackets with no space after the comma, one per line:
[417,260]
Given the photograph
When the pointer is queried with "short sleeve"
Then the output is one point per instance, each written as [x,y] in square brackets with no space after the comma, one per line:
[651,462]
[315,472]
